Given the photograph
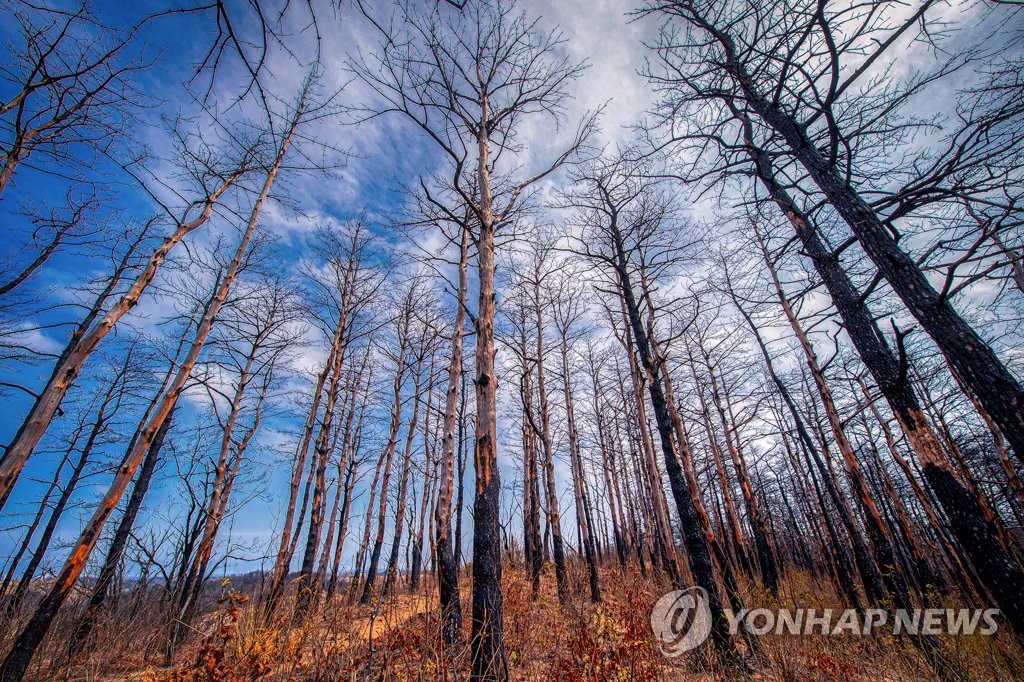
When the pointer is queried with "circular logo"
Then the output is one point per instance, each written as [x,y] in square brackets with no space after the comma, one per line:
[681,620]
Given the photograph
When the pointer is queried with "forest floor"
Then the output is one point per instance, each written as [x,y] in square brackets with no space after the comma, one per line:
[398,640]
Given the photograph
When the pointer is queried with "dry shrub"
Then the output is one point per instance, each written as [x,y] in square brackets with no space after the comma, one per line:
[545,640]
[223,655]
[609,643]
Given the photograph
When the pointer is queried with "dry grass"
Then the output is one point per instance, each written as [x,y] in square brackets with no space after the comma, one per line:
[398,639]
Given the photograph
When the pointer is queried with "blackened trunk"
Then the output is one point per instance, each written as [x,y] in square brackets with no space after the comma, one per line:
[489,663]
[977,364]
[1001,576]
[698,548]
[997,571]
[17,661]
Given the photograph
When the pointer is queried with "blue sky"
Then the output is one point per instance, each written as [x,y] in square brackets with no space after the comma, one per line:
[384,154]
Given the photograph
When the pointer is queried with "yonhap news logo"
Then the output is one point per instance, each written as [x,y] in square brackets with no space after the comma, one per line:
[681,621]
[838,622]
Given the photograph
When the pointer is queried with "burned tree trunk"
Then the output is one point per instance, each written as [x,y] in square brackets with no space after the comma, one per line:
[28,640]
[873,522]
[997,570]
[583,519]
[447,566]
[533,551]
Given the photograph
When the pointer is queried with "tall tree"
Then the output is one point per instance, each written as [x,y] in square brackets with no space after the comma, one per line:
[343,279]
[810,122]
[567,311]
[447,567]
[28,640]
[467,78]
[249,345]
[629,229]
[403,347]
[216,173]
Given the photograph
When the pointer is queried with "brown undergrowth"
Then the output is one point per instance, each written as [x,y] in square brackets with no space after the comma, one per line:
[396,639]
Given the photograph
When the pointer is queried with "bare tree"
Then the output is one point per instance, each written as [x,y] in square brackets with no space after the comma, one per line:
[807,117]
[466,79]
[423,349]
[447,566]
[71,88]
[347,289]
[28,640]
[401,353]
[343,283]
[126,525]
[123,255]
[215,175]
[98,417]
[568,307]
[71,226]
[538,267]
[248,347]
[628,231]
